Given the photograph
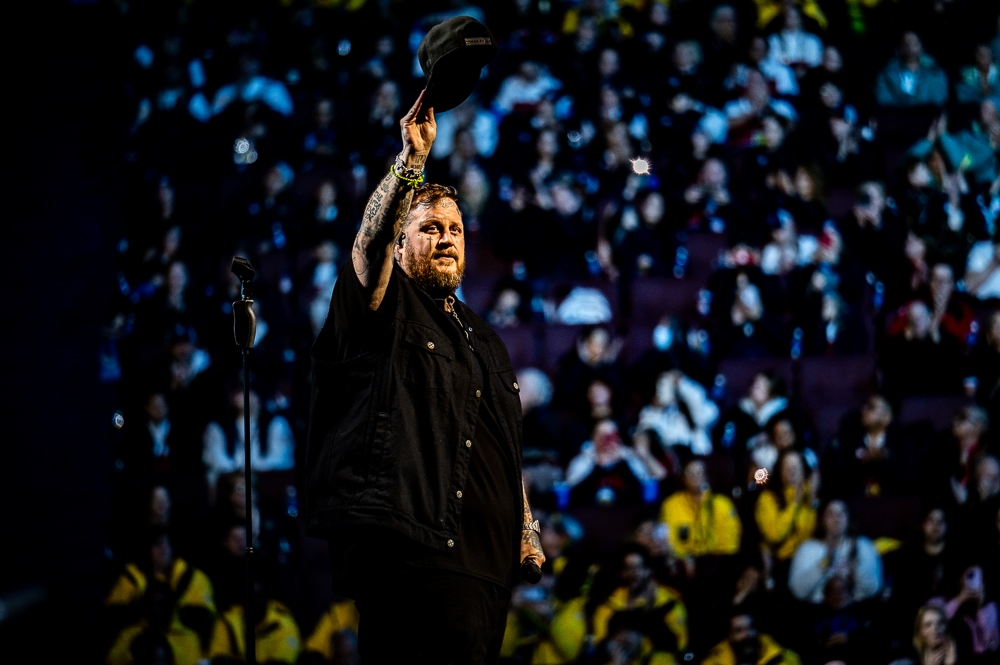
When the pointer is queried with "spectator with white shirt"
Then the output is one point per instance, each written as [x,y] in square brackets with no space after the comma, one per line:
[778,73]
[795,47]
[527,86]
[272,445]
[681,413]
[835,553]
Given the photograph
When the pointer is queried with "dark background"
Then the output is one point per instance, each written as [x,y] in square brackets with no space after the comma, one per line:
[62,188]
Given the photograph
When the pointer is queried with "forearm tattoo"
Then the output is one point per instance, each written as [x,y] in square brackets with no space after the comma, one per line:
[372,245]
[529,537]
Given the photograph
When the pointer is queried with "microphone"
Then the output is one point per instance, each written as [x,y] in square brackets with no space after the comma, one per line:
[244,271]
[244,318]
[530,572]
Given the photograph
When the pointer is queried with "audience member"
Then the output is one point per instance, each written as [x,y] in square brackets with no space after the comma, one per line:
[874,459]
[948,467]
[912,78]
[925,567]
[794,46]
[743,644]
[979,80]
[276,634]
[932,642]
[651,609]
[606,471]
[335,637]
[224,452]
[699,521]
[920,360]
[838,554]
[785,512]
[681,413]
[161,596]
[974,621]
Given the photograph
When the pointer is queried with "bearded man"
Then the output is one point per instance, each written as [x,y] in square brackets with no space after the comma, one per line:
[414,451]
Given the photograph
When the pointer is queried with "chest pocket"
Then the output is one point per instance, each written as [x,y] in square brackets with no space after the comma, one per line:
[428,359]
[504,384]
[508,379]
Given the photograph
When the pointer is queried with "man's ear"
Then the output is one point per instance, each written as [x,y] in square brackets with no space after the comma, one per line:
[397,247]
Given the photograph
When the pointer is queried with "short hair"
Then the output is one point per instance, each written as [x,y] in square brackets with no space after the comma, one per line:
[431,194]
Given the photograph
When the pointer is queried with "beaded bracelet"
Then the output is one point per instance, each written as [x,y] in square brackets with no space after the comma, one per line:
[412,182]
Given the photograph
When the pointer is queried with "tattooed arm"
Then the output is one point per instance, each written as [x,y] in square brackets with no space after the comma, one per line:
[531,545]
[389,205]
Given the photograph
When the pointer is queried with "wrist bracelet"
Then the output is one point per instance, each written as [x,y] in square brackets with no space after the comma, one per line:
[412,182]
[400,171]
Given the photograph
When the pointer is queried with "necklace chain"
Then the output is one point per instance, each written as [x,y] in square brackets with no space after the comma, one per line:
[449,303]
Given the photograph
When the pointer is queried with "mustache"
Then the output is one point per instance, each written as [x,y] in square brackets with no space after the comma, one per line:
[438,255]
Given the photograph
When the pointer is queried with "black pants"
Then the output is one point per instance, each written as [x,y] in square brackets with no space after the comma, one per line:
[413,615]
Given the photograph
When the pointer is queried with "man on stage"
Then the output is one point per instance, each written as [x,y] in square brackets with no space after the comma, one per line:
[414,454]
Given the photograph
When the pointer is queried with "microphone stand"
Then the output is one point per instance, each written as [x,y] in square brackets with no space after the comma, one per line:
[245,331]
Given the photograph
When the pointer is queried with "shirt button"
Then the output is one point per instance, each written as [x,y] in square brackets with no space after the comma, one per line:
[430,345]
[459,494]
[515,386]
[479,393]
[451,543]
[468,443]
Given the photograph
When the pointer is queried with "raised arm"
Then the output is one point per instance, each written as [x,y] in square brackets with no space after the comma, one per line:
[389,204]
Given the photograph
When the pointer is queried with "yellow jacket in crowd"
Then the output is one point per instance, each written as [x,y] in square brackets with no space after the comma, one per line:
[183,642]
[277,635]
[768,10]
[675,618]
[784,529]
[340,616]
[708,525]
[567,633]
[771,653]
[192,589]
[131,586]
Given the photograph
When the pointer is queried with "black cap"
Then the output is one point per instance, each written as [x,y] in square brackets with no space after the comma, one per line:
[452,55]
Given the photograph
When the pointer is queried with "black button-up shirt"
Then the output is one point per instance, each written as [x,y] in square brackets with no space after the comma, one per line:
[398,419]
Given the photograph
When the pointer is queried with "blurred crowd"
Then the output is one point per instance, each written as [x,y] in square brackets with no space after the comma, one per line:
[746,258]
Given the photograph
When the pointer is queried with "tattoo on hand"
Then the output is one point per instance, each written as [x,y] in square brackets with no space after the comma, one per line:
[530,538]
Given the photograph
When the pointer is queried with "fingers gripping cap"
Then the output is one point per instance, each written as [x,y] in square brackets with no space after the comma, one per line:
[452,56]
